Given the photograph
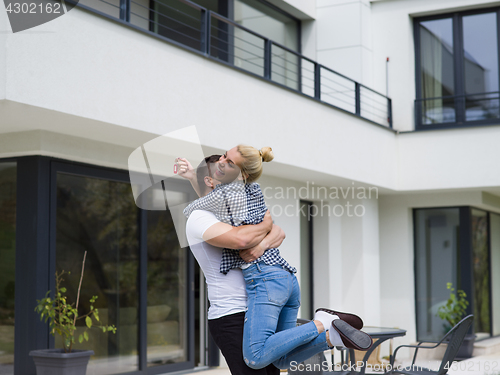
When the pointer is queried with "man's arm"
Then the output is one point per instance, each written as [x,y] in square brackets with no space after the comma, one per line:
[242,237]
[273,239]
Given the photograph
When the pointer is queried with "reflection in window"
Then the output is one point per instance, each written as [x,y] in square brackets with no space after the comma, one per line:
[306,302]
[436,241]
[481,66]
[100,217]
[495,272]
[437,70]
[274,25]
[459,69]
[167,303]
[8,187]
[480,273]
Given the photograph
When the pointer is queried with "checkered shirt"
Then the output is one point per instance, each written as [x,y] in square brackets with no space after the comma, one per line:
[238,204]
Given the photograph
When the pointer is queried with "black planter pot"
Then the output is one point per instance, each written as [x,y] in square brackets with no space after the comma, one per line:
[57,362]
[467,347]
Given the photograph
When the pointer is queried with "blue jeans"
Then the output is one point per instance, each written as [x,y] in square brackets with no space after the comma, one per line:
[270,333]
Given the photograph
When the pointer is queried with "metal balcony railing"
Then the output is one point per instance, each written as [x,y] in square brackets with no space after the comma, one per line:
[458,110]
[191,26]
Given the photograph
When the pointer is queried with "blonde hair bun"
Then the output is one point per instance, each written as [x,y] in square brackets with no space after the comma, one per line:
[267,154]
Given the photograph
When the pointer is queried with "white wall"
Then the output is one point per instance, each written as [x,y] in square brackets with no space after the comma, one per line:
[344,41]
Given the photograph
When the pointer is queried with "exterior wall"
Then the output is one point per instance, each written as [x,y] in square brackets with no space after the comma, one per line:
[162,88]
[98,92]
[344,41]
[397,276]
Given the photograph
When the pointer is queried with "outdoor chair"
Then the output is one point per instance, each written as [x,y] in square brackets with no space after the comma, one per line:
[453,338]
[316,364]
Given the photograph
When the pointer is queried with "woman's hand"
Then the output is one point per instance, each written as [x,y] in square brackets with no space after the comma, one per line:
[185,169]
[249,255]
[273,239]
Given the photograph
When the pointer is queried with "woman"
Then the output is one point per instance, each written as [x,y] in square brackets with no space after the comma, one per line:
[270,334]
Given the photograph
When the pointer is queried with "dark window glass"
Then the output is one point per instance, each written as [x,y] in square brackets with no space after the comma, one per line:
[167,292]
[481,66]
[437,71]
[495,272]
[305,260]
[459,69]
[100,217]
[8,187]
[436,241]
[272,24]
[480,273]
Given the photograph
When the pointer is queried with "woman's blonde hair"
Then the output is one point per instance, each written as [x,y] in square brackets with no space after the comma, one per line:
[252,161]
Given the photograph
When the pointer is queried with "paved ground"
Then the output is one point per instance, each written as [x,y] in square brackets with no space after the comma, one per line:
[482,365]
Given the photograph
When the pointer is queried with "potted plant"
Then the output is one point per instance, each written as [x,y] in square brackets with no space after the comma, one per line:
[452,312]
[62,317]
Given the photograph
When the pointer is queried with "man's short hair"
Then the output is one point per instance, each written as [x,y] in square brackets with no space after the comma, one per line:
[203,171]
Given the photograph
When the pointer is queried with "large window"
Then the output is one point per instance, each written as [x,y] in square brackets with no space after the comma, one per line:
[457,69]
[134,265]
[97,213]
[458,245]
[8,188]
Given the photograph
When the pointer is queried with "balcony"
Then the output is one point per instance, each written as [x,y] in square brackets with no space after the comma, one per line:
[218,38]
[458,111]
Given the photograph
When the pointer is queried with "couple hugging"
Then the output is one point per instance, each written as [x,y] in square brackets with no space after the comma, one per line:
[253,292]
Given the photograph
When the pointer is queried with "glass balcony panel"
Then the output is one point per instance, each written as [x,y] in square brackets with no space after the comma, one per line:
[437,111]
[482,107]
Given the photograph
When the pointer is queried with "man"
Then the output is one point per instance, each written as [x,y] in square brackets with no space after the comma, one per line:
[226,293]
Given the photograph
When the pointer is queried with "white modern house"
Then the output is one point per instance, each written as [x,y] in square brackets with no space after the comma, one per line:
[383,116]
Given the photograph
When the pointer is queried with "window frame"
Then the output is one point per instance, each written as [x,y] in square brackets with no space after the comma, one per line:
[459,71]
[465,278]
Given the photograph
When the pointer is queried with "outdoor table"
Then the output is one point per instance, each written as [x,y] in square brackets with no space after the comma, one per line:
[381,334]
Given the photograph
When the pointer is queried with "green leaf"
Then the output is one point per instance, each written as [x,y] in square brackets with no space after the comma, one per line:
[86,335]
[80,339]
[88,322]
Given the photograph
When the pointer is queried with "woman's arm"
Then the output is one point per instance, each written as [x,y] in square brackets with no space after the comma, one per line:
[187,171]
[273,239]
[242,237]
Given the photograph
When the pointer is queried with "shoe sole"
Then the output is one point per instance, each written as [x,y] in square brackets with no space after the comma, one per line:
[351,319]
[358,339]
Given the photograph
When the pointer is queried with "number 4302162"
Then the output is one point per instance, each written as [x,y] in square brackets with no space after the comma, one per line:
[34,8]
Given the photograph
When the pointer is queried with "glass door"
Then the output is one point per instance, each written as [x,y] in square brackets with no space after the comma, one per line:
[135,266]
[8,187]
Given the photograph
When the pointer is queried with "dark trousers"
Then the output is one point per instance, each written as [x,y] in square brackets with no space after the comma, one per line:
[227,333]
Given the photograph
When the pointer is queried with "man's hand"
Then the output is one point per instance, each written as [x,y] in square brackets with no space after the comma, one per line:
[242,237]
[273,239]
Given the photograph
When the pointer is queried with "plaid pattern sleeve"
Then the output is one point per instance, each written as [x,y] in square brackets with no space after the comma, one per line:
[252,211]
[213,202]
